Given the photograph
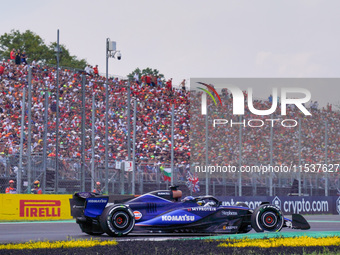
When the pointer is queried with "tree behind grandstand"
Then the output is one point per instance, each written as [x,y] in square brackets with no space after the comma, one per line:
[146,71]
[35,48]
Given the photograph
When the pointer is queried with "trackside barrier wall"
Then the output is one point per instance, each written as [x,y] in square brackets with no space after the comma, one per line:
[27,207]
[291,204]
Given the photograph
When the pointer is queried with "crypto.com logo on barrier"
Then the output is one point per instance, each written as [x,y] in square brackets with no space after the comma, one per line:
[295,96]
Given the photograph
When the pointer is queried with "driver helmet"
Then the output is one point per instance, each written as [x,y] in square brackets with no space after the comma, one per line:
[201,202]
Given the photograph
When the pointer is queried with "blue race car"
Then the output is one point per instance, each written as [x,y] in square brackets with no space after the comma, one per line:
[164,211]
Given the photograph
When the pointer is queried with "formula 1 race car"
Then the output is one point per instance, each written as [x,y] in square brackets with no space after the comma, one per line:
[163,211]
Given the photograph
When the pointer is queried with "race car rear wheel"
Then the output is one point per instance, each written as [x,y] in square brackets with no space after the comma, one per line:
[117,220]
[267,218]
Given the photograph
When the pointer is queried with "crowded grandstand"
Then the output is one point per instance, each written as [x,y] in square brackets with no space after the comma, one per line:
[154,97]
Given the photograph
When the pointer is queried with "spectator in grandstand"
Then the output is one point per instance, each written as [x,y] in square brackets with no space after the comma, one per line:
[148,79]
[183,85]
[18,58]
[89,70]
[270,98]
[169,84]
[315,106]
[36,189]
[2,70]
[12,55]
[115,81]
[11,189]
[34,63]
[96,71]
[329,107]
[53,107]
[23,58]
[136,78]
[159,81]
[98,188]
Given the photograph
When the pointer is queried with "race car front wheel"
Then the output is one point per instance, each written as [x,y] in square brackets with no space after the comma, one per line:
[267,218]
[117,220]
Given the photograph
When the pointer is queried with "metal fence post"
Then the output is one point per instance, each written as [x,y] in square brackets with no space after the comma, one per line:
[122,173]
[172,143]
[134,146]
[214,188]
[271,158]
[141,187]
[93,141]
[240,161]
[83,134]
[22,131]
[128,119]
[158,179]
[107,118]
[57,121]
[29,132]
[206,153]
[113,186]
[45,140]
[299,172]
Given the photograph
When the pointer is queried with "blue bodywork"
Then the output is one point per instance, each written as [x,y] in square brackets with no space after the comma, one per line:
[153,212]
[162,211]
[95,206]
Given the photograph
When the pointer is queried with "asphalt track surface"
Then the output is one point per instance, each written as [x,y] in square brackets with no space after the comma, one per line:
[18,232]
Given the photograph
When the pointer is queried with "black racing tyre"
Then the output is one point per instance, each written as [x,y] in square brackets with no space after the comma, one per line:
[267,218]
[117,220]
